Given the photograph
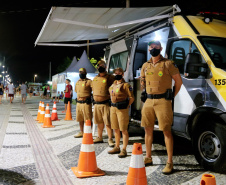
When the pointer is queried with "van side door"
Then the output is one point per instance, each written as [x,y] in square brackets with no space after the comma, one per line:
[192,93]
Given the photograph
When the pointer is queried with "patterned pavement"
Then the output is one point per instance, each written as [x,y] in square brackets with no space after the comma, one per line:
[31,154]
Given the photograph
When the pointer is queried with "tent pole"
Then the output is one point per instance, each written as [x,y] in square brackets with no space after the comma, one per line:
[127,3]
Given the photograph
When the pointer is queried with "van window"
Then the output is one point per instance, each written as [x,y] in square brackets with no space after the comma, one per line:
[179,50]
[215,47]
[118,60]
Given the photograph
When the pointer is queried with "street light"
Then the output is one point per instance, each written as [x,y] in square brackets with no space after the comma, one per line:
[34,77]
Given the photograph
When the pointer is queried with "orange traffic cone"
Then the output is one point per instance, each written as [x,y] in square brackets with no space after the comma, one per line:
[87,165]
[42,114]
[54,116]
[208,179]
[39,110]
[137,172]
[47,120]
[68,116]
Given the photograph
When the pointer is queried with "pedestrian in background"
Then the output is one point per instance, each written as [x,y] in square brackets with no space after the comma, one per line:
[57,97]
[121,98]
[30,91]
[44,92]
[1,92]
[6,92]
[67,94]
[48,92]
[15,90]
[23,89]
[19,89]
[11,92]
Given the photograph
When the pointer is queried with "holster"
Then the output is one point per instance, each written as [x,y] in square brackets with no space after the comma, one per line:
[169,94]
[143,96]
[88,100]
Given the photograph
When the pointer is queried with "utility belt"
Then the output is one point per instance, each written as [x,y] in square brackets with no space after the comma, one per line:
[87,101]
[101,102]
[121,105]
[156,96]
[168,95]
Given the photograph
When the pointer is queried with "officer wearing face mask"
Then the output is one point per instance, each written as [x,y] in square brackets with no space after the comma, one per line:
[84,106]
[156,77]
[121,98]
[100,86]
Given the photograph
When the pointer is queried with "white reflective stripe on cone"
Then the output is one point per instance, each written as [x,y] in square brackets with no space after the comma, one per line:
[137,161]
[43,105]
[42,112]
[87,148]
[54,105]
[39,110]
[47,116]
[54,111]
[87,129]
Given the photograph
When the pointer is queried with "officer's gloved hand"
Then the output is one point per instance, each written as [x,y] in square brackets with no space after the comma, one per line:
[143,96]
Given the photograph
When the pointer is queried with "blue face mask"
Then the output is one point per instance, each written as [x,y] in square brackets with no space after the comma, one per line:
[155,52]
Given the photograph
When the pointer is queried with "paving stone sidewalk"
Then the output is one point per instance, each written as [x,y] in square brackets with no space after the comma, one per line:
[31,154]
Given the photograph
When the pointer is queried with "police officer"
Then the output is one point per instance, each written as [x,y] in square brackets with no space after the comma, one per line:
[156,78]
[100,86]
[84,106]
[121,98]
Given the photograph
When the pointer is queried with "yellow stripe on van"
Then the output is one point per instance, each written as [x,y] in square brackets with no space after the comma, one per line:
[215,28]
[219,81]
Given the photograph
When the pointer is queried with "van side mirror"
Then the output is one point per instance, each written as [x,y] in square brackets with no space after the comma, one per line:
[193,66]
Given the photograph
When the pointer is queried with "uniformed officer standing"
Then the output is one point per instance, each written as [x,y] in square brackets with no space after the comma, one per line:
[156,77]
[100,86]
[121,98]
[84,106]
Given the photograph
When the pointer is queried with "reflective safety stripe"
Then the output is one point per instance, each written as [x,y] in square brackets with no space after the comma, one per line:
[54,105]
[87,148]
[42,112]
[39,110]
[137,161]
[47,108]
[47,116]
[43,105]
[87,129]
[54,111]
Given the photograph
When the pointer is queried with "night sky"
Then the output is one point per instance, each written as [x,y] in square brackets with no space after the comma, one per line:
[20,24]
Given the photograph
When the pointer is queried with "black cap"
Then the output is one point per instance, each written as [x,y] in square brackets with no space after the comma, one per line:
[154,42]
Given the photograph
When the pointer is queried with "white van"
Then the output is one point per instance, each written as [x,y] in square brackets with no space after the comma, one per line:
[197,44]
[199,50]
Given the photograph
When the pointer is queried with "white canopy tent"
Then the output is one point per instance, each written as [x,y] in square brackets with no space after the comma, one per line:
[71,66]
[73,73]
[65,24]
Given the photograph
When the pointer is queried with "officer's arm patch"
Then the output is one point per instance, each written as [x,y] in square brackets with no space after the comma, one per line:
[129,87]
